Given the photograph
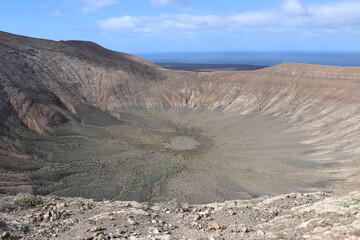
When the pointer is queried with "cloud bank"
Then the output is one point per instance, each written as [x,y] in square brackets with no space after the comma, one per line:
[291,15]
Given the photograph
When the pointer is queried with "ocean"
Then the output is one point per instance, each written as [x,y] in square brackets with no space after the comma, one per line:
[256,58]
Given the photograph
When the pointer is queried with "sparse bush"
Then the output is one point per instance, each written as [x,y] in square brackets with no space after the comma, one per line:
[28,201]
[349,204]
[2,224]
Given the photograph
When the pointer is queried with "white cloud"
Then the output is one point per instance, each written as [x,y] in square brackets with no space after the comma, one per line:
[292,15]
[114,24]
[93,5]
[162,24]
[341,14]
[256,19]
[163,3]
[293,7]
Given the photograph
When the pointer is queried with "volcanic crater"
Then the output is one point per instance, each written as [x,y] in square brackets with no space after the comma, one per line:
[81,120]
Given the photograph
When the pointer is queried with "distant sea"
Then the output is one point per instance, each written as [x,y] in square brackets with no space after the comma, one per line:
[256,58]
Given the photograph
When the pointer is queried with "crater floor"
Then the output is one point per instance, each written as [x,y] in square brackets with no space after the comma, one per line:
[193,156]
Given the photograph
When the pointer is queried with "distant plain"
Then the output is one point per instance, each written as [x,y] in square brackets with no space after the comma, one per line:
[333,58]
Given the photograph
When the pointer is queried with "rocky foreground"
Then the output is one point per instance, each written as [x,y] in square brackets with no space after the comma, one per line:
[289,216]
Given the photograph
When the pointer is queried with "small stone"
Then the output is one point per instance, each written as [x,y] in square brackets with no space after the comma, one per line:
[146,205]
[214,226]
[355,196]
[132,222]
[60,206]
[95,229]
[231,212]
[154,230]
[46,217]
[204,213]
[5,235]
[194,224]
[244,229]
[96,234]
[185,208]
[166,237]
[101,236]
[156,208]
[215,238]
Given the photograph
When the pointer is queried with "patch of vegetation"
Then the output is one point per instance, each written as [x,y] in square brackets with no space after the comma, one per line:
[349,204]
[51,175]
[2,224]
[3,195]
[249,169]
[21,166]
[63,129]
[131,153]
[29,201]
[121,162]
[151,177]
[63,215]
[45,148]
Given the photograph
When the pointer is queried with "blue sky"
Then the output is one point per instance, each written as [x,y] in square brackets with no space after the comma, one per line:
[137,26]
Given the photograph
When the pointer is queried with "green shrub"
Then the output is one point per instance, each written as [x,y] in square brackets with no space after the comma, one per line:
[349,204]
[28,201]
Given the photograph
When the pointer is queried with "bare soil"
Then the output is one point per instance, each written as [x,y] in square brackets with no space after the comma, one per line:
[182,143]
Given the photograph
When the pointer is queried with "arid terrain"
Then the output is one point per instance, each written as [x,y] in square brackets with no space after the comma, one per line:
[195,67]
[78,120]
[289,216]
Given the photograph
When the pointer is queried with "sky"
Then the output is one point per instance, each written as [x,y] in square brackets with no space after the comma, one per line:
[141,26]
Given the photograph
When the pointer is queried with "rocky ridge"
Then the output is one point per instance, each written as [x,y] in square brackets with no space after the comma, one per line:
[289,216]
